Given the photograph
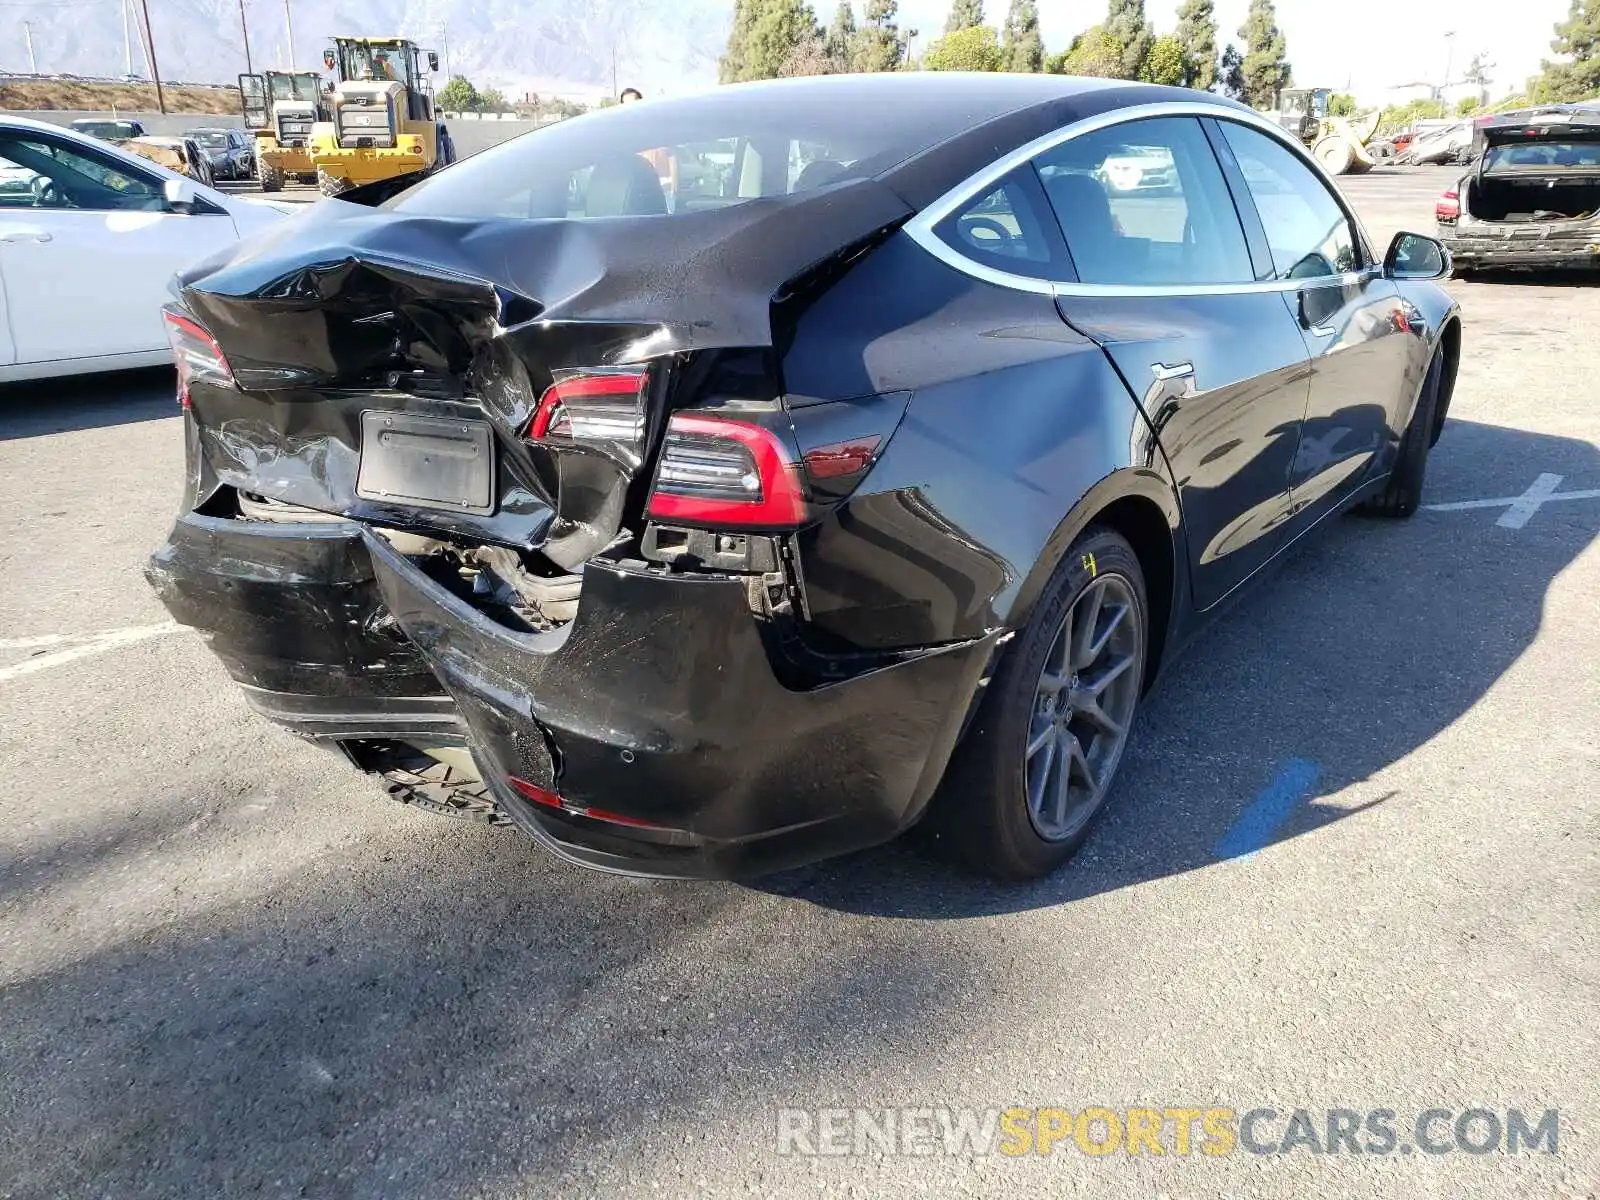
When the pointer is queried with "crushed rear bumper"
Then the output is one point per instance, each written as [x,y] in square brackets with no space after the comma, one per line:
[659,705]
[1483,245]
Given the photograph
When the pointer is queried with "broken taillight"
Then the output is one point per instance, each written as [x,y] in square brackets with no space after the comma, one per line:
[195,353]
[598,408]
[719,471]
[1448,207]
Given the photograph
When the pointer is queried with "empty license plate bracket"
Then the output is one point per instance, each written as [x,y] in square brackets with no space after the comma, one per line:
[426,462]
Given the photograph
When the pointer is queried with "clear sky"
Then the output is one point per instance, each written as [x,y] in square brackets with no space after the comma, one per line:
[1369,45]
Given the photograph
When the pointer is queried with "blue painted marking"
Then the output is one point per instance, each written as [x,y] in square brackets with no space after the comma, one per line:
[1270,809]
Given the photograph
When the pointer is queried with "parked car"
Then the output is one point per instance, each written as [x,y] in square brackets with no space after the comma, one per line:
[108,129]
[1437,142]
[1532,197]
[231,152]
[181,155]
[714,541]
[90,237]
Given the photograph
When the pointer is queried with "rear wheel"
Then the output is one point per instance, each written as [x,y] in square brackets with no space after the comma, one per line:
[1403,492]
[271,178]
[1035,769]
[331,185]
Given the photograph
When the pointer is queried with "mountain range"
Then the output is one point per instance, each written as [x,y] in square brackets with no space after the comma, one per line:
[518,46]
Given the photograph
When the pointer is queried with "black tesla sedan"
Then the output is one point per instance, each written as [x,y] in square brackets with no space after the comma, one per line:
[715,484]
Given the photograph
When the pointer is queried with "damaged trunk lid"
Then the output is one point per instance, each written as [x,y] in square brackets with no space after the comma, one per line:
[503,381]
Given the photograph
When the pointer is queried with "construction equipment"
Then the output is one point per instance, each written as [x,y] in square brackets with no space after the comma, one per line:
[383,121]
[281,108]
[1343,145]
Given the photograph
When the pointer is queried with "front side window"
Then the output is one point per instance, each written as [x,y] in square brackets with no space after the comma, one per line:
[1145,203]
[1310,235]
[58,176]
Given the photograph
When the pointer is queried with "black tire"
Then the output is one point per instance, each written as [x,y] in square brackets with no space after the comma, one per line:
[330,185]
[271,178]
[1403,492]
[982,811]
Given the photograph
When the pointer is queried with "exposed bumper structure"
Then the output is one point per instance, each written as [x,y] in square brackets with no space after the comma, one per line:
[657,706]
[1521,245]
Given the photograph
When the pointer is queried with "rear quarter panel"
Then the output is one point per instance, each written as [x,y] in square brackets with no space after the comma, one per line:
[1017,431]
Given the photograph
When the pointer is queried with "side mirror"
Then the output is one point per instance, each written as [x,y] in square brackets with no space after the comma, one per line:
[1412,256]
[181,195]
[327,59]
[433,60]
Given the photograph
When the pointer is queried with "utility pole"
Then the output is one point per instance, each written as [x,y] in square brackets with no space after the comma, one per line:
[155,71]
[1449,59]
[444,42]
[27,31]
[289,22]
[127,42]
[245,29]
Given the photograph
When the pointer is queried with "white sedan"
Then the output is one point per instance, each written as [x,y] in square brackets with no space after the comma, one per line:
[90,236]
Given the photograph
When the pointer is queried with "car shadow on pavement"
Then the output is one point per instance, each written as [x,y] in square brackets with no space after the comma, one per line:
[1571,278]
[1365,642]
[46,406]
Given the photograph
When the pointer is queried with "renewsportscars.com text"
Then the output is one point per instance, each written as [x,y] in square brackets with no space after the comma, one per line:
[1177,1131]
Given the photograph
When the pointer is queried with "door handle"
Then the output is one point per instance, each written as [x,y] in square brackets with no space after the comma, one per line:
[25,235]
[1163,373]
[1323,330]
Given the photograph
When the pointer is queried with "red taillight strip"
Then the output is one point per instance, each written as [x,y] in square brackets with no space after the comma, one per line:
[621,382]
[546,798]
[190,340]
[782,502]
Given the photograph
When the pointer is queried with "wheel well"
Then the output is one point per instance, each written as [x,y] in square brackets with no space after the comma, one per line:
[1145,527]
[1450,342]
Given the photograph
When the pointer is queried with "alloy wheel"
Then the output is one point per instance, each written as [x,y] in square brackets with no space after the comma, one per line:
[1083,706]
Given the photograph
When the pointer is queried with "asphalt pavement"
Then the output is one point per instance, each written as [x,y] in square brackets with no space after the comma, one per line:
[1353,862]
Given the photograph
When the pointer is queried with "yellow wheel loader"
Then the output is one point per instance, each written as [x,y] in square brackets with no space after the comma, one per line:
[281,108]
[1343,145]
[383,122]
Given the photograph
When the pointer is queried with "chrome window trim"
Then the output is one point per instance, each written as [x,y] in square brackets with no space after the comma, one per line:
[921,227]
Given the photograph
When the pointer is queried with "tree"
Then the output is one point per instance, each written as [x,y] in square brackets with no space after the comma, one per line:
[1578,42]
[1341,104]
[1230,73]
[879,46]
[1477,72]
[1197,34]
[1126,22]
[964,14]
[765,33]
[975,48]
[1021,47]
[458,95]
[809,57]
[1468,105]
[1165,63]
[1266,70]
[842,37]
[491,100]
[1093,52]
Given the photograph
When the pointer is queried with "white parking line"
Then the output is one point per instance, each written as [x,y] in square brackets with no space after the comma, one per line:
[87,644]
[1520,509]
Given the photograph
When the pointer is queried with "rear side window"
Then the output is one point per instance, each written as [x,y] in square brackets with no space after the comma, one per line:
[1145,203]
[1308,230]
[1006,229]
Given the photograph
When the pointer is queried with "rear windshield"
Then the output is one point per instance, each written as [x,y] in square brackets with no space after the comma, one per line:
[691,154]
[210,139]
[1543,156]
